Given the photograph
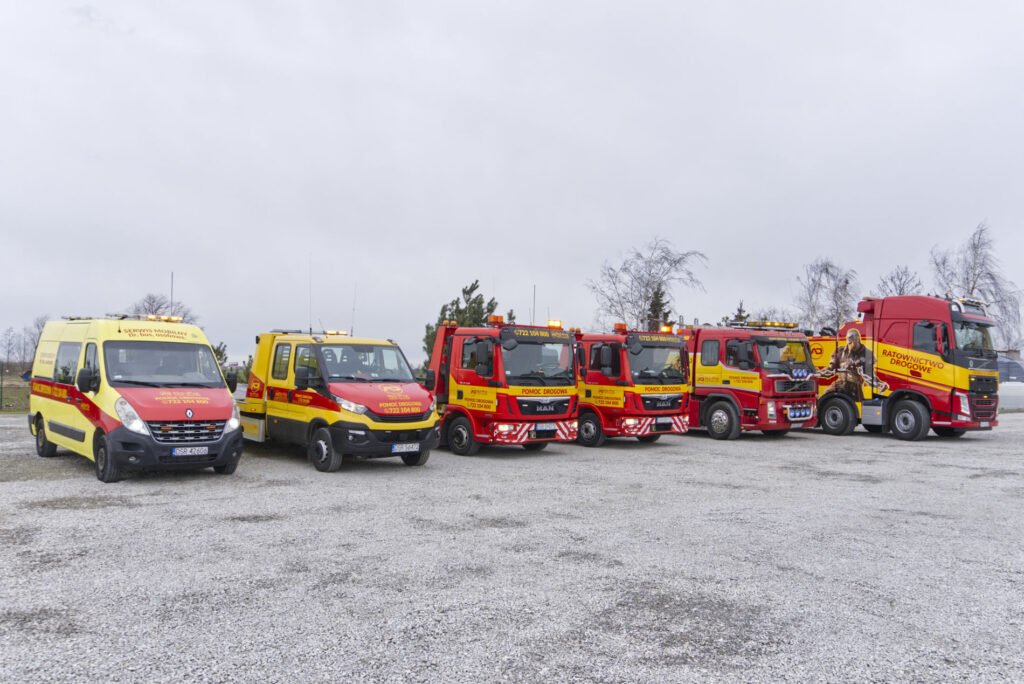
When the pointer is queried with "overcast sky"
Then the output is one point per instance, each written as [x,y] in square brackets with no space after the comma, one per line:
[409,148]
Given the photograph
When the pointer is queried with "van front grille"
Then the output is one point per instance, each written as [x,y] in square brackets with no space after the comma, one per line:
[173,432]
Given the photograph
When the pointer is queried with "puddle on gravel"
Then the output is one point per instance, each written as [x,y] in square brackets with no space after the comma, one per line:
[80,503]
[39,622]
[256,517]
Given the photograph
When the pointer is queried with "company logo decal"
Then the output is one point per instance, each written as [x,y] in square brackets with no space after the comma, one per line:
[188,413]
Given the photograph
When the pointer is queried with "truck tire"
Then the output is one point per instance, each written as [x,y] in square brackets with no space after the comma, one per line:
[460,437]
[722,421]
[535,446]
[948,431]
[321,451]
[44,447]
[107,469]
[774,433]
[589,432]
[837,417]
[649,439]
[910,420]
[416,459]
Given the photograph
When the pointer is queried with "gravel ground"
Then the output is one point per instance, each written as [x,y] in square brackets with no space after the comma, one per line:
[806,558]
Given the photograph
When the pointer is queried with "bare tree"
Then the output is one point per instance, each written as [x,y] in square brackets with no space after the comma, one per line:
[625,292]
[899,281]
[827,295]
[774,313]
[974,271]
[160,305]
[9,343]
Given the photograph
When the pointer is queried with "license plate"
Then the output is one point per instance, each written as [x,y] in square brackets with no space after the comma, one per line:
[796,425]
[664,421]
[190,451]
[411,447]
[544,426]
[985,423]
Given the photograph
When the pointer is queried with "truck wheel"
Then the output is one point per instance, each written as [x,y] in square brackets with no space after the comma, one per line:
[722,421]
[416,459]
[535,446]
[648,439]
[322,453]
[948,431]
[910,420]
[43,446]
[589,432]
[106,468]
[226,469]
[837,417]
[460,437]
[774,433]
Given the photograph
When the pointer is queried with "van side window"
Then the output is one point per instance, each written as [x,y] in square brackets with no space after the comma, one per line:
[282,355]
[709,353]
[67,362]
[91,360]
[924,337]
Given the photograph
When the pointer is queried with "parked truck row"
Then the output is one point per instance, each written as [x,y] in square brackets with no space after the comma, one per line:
[135,393]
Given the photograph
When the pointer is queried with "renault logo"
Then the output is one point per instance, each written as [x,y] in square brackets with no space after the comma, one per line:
[188,413]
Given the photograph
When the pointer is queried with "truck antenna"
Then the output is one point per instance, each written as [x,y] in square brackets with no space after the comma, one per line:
[533,311]
[352,327]
[171,307]
[310,295]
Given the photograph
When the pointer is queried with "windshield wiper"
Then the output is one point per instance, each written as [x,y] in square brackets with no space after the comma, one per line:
[207,385]
[349,377]
[390,380]
[140,383]
[532,375]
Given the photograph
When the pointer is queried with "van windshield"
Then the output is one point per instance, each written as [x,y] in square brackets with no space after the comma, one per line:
[365,363]
[160,364]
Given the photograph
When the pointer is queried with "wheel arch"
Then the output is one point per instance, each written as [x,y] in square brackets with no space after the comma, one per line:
[712,399]
[900,395]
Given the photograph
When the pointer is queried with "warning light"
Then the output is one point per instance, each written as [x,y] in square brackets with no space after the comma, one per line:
[666,328]
[335,332]
[554,323]
[495,319]
[619,327]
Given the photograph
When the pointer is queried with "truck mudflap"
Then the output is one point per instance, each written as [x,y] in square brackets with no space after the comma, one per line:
[521,433]
[655,425]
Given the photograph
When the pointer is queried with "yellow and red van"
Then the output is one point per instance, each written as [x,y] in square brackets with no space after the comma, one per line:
[133,393]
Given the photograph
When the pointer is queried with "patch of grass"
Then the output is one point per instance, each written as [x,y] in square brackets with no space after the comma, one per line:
[15,399]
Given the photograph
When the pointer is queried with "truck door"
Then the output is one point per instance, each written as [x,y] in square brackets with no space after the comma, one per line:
[473,371]
[604,383]
[708,369]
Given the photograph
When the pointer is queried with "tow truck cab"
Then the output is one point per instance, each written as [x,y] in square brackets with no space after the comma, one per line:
[337,395]
[631,384]
[933,363]
[753,375]
[505,384]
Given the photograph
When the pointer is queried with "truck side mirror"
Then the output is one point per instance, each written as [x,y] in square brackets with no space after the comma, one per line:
[88,381]
[508,339]
[633,344]
[232,379]
[430,379]
[485,356]
[302,378]
[606,357]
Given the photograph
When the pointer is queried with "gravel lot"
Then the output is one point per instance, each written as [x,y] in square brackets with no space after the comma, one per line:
[805,558]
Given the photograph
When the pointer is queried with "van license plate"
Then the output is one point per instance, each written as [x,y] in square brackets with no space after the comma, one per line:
[190,451]
[410,447]
[544,426]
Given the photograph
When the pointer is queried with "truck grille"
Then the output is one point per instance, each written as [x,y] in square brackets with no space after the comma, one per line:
[983,384]
[793,386]
[984,408]
[662,402]
[172,432]
[540,407]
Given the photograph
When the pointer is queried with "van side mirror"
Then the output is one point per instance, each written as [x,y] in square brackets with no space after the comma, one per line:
[232,379]
[88,380]
[430,379]
[302,378]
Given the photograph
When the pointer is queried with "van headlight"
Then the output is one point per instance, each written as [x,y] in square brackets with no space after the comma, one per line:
[433,405]
[234,421]
[129,418]
[350,406]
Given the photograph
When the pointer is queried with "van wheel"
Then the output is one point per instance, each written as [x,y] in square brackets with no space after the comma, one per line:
[589,432]
[416,459]
[43,446]
[322,453]
[837,417]
[722,421]
[910,420]
[648,439]
[107,469]
[948,431]
[535,446]
[460,437]
[226,469]
[774,433]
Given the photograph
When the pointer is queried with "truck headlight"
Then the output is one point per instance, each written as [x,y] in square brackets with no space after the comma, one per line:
[350,406]
[129,418]
[630,422]
[771,410]
[504,427]
[234,421]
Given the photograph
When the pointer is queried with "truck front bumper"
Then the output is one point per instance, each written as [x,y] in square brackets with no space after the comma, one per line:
[509,432]
[356,439]
[143,452]
[641,426]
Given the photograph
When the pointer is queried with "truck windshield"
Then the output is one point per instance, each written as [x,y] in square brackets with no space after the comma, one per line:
[657,365]
[364,363]
[160,364]
[533,363]
[974,337]
[779,354]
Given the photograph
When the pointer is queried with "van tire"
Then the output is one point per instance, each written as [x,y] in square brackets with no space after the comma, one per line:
[460,437]
[722,421]
[226,469]
[648,439]
[321,451]
[837,417]
[107,469]
[416,459]
[589,432]
[910,420]
[44,447]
